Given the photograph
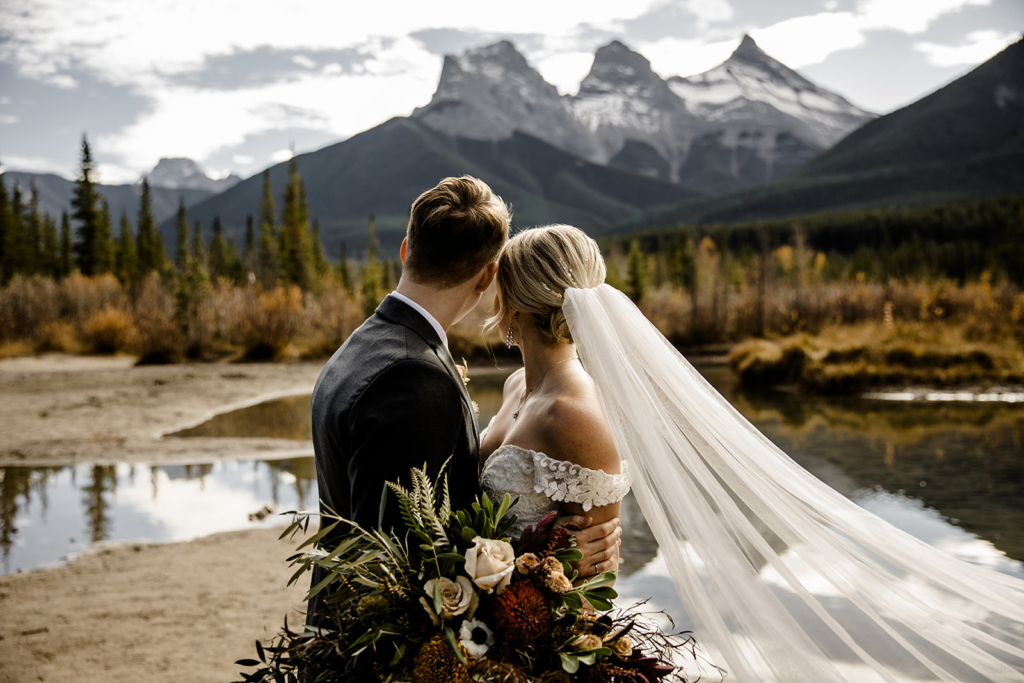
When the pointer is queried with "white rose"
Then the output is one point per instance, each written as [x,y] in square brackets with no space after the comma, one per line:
[457,597]
[622,647]
[490,564]
[587,641]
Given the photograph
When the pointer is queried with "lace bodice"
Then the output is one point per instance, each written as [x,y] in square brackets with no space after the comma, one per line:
[541,483]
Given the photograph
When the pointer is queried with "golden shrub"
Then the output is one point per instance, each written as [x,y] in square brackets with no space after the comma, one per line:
[108,331]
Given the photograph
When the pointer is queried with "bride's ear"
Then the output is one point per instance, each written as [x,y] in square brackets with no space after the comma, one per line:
[486,277]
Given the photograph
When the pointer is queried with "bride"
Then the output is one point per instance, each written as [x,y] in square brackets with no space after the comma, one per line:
[784,578]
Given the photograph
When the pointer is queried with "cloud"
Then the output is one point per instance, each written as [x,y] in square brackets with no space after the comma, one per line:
[807,40]
[978,46]
[909,16]
[676,57]
[266,64]
[566,70]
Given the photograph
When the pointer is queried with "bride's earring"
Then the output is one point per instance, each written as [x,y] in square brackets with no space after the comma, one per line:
[510,338]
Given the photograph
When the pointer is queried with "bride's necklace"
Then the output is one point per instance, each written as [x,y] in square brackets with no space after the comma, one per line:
[529,392]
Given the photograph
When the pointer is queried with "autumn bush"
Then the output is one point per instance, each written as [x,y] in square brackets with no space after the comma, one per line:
[267,321]
[158,338]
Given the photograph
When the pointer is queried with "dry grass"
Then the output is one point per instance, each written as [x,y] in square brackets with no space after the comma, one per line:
[850,358]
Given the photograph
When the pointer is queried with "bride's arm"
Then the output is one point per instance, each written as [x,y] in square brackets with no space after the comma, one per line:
[575,431]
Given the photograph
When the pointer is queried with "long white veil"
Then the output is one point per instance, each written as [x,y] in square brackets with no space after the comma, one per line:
[784,578]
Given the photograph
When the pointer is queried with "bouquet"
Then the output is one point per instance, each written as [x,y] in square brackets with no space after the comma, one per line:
[451,600]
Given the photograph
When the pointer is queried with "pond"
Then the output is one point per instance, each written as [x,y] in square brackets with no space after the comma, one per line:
[950,473]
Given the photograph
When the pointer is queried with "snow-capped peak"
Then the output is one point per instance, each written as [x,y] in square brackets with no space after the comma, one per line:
[181,173]
[740,88]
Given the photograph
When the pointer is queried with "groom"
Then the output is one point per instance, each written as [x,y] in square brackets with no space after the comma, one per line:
[391,398]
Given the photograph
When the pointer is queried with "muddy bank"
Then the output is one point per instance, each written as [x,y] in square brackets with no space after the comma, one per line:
[57,410]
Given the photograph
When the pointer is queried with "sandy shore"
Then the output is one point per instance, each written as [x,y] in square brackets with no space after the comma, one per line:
[155,612]
[148,612]
[59,410]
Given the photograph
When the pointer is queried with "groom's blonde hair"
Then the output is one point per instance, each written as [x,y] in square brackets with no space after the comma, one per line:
[536,267]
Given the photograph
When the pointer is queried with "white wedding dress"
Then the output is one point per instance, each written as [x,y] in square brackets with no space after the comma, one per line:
[541,482]
[785,579]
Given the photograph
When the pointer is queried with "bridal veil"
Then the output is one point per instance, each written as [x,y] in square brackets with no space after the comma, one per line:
[784,578]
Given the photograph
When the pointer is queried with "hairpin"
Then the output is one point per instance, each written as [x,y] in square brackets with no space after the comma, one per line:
[568,272]
[551,290]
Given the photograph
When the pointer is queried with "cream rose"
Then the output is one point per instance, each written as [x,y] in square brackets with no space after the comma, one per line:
[588,641]
[490,564]
[457,597]
[622,647]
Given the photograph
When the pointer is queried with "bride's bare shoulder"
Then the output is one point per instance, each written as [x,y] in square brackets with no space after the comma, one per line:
[574,429]
[514,383]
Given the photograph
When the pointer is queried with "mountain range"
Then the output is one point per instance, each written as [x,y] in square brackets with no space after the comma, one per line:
[964,140]
[181,173]
[629,142]
[747,122]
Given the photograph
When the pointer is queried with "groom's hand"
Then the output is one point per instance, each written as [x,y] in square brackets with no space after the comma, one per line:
[598,543]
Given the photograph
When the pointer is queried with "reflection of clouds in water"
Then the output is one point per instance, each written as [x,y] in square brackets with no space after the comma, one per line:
[159,503]
[910,515]
[187,509]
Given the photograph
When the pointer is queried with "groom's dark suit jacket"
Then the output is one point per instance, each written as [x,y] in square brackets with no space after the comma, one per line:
[388,400]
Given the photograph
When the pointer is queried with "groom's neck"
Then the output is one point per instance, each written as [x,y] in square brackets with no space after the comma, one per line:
[446,305]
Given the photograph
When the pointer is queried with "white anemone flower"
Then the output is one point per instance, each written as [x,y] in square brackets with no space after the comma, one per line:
[476,637]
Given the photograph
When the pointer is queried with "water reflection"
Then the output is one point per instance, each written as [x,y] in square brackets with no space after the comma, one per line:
[47,514]
[952,474]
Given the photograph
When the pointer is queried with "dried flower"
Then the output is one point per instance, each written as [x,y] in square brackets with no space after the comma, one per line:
[476,637]
[436,663]
[457,597]
[490,564]
[522,613]
[586,641]
[372,606]
[557,582]
[622,647]
[527,563]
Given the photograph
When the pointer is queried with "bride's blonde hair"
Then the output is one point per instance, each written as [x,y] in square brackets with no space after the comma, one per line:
[536,267]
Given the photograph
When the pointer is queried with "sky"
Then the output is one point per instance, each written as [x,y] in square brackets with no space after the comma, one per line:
[238,84]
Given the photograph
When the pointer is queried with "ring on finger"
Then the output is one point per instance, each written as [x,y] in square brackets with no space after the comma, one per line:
[596,569]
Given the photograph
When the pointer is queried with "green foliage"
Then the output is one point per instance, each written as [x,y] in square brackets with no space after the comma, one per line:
[127,267]
[67,263]
[150,243]
[219,258]
[372,274]
[181,250]
[89,254]
[639,276]
[105,249]
[266,265]
[296,251]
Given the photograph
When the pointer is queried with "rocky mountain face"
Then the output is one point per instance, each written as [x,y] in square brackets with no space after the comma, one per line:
[747,122]
[185,174]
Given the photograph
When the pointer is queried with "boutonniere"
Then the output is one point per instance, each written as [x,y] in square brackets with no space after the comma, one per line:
[463,371]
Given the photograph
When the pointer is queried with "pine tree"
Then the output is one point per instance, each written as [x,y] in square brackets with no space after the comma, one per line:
[6,232]
[266,249]
[86,211]
[344,270]
[127,256]
[49,255]
[105,249]
[297,252]
[250,244]
[371,276]
[67,262]
[149,243]
[19,239]
[235,268]
[639,275]
[181,255]
[33,233]
[193,288]
[218,261]
[320,264]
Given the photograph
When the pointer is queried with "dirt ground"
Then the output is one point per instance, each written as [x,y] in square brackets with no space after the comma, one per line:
[154,612]
[59,410]
[148,612]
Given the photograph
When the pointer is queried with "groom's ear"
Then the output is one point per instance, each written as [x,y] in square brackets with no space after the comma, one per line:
[401,253]
[486,276]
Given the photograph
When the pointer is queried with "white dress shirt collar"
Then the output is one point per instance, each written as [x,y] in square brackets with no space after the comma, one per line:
[422,311]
